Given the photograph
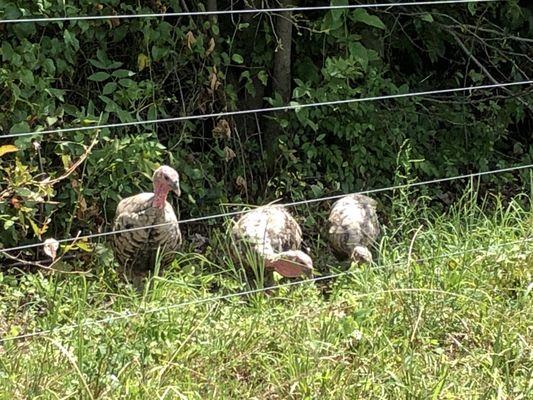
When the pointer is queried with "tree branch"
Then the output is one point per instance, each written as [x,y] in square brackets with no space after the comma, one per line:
[482,67]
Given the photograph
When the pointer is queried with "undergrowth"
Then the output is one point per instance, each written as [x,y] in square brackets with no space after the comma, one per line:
[445,312]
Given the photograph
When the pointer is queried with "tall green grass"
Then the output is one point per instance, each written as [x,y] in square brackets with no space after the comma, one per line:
[445,313]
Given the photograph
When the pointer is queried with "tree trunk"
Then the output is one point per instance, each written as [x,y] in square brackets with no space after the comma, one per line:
[253,101]
[282,57]
[282,79]
[212,6]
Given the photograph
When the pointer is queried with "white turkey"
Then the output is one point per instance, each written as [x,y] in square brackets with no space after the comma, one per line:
[137,250]
[271,235]
[353,227]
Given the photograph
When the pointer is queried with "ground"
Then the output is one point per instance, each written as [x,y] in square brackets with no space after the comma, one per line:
[444,313]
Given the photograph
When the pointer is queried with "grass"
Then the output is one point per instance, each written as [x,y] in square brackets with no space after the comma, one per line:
[444,314]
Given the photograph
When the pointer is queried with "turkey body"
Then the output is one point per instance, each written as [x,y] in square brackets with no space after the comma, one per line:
[270,235]
[353,227]
[136,250]
[268,230]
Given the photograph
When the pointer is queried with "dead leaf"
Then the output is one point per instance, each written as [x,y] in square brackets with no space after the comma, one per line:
[241,183]
[214,83]
[211,47]
[113,22]
[229,154]
[16,202]
[222,130]
[191,40]
[50,248]
[7,148]
[82,203]
[82,206]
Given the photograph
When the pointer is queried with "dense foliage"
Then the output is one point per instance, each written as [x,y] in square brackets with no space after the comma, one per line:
[81,73]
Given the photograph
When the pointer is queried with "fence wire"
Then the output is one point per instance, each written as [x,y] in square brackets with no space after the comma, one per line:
[131,314]
[294,203]
[239,11]
[263,110]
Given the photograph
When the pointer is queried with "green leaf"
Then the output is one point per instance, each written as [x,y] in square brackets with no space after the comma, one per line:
[84,246]
[102,56]
[105,99]
[361,15]
[122,73]
[49,66]
[263,77]
[99,76]
[109,88]
[20,127]
[57,93]
[70,39]
[7,51]
[472,7]
[152,112]
[51,120]
[338,13]
[359,53]
[22,142]
[35,228]
[159,52]
[26,77]
[426,17]
[237,58]
[127,83]
[317,191]
[9,223]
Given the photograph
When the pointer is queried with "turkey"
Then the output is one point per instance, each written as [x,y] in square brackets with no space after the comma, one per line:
[271,234]
[136,250]
[353,227]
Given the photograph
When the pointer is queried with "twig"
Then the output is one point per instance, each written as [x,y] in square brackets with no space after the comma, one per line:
[48,181]
[184,5]
[50,268]
[485,70]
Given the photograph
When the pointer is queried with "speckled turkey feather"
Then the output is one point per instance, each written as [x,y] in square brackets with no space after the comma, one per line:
[260,236]
[137,249]
[353,222]
[267,230]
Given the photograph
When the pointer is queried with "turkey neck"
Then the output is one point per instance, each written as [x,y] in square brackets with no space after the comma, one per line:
[160,196]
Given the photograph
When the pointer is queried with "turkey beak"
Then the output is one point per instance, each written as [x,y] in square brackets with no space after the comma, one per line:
[176,188]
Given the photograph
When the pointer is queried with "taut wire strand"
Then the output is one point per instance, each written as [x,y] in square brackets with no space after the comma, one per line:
[130,314]
[294,203]
[262,110]
[239,11]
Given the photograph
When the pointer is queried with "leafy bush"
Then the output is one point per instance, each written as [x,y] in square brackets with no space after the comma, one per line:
[82,73]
